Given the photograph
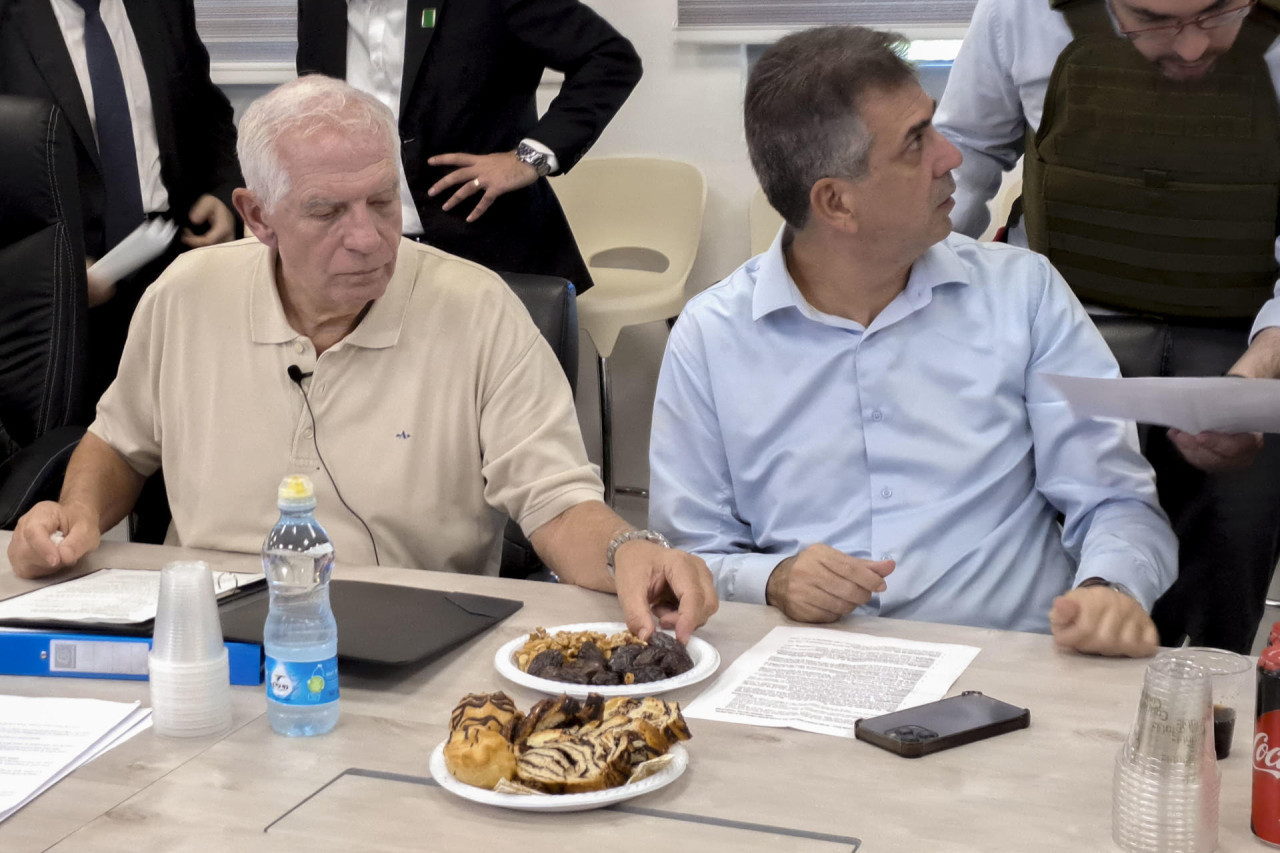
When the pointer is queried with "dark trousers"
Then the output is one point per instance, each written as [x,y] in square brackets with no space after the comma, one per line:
[1228,524]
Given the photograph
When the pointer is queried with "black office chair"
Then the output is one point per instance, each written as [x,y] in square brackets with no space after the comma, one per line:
[42,305]
[553,305]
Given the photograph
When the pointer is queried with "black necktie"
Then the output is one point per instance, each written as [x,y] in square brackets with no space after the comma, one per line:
[115,130]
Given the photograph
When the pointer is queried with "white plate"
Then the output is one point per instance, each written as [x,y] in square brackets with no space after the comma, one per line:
[706,660]
[559,802]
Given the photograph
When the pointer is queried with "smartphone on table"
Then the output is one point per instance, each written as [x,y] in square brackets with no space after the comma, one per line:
[940,725]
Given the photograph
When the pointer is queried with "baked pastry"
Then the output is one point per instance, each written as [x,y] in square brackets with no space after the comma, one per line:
[493,711]
[575,765]
[480,756]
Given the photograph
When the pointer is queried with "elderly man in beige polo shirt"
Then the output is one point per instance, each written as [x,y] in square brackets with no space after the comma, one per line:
[436,404]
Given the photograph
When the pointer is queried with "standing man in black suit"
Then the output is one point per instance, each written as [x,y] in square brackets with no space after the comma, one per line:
[461,77]
[152,134]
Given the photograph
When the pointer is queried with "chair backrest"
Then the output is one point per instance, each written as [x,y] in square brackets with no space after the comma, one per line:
[42,275]
[619,203]
[553,306]
[763,221]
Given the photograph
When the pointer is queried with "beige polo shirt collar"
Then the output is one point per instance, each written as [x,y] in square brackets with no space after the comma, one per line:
[379,329]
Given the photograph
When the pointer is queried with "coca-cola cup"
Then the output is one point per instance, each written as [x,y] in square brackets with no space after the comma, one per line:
[1230,678]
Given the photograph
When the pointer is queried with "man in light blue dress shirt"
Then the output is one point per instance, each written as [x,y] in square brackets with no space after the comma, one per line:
[859,418]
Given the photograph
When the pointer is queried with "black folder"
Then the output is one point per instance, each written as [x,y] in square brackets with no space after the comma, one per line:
[382,623]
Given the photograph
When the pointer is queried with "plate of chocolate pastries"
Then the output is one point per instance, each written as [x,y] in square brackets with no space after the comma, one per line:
[604,658]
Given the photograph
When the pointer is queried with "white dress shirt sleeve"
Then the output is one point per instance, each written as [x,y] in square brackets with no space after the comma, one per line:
[1090,468]
[691,490]
[982,114]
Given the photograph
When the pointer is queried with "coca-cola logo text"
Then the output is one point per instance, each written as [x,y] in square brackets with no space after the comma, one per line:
[1265,758]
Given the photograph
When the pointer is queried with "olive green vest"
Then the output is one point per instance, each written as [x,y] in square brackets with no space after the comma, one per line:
[1151,194]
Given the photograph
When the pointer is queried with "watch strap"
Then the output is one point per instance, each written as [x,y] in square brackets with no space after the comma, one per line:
[629,536]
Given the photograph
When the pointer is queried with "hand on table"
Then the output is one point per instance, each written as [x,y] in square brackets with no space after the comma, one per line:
[33,550]
[821,584]
[222,224]
[491,174]
[1098,620]
[1218,451]
[670,584]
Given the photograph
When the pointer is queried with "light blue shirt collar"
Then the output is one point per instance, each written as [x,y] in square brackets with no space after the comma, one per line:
[775,289]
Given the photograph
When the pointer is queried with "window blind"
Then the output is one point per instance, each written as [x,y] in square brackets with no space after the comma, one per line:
[802,13]
[248,30]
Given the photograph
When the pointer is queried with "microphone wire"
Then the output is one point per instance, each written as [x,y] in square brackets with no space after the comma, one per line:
[296,374]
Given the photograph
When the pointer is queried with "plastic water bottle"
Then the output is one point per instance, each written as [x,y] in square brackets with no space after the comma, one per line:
[301,636]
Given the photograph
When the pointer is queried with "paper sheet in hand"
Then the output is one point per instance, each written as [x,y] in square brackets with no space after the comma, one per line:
[107,596]
[820,680]
[1192,404]
[44,739]
[141,247]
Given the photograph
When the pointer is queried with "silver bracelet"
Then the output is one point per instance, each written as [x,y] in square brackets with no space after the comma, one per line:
[627,536]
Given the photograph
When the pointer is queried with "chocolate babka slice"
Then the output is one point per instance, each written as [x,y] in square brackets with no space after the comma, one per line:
[575,765]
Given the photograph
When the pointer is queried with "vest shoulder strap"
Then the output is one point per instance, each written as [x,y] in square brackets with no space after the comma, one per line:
[1086,17]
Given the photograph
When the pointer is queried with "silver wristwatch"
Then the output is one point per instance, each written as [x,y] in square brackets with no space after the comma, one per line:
[627,536]
[526,153]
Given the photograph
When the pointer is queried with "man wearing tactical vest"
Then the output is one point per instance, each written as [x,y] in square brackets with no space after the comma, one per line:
[1151,180]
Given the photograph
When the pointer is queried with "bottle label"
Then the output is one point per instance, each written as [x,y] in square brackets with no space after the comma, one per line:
[302,682]
[1266,777]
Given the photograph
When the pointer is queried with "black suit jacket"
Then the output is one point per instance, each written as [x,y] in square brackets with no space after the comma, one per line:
[193,118]
[470,85]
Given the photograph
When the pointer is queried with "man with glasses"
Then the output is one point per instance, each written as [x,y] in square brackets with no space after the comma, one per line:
[1151,135]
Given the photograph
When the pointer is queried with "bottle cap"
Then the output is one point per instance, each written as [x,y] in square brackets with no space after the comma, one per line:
[1274,636]
[1269,660]
[296,492]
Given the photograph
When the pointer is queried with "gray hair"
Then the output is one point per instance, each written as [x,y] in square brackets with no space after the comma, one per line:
[801,107]
[302,107]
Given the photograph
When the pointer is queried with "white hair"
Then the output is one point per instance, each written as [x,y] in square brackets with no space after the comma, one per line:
[302,107]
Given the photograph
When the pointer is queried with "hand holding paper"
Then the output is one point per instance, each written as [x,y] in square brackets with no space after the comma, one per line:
[1197,404]
[147,242]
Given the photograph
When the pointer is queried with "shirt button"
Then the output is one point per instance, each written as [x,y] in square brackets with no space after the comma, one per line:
[886,556]
[876,416]
[299,347]
[307,433]
[886,492]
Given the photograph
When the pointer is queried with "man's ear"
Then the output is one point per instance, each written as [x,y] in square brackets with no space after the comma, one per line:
[251,210]
[833,202]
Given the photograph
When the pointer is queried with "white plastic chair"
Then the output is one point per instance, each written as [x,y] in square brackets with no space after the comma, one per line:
[637,221]
[763,221]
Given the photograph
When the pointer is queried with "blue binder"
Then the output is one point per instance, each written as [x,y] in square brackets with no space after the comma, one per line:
[67,655]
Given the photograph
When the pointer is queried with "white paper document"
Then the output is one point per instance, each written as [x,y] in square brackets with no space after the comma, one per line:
[120,596]
[142,246]
[1192,404]
[820,680]
[44,739]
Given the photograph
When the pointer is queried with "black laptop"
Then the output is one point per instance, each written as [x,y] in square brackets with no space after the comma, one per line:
[382,623]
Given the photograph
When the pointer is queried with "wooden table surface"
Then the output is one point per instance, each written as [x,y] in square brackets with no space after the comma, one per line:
[366,786]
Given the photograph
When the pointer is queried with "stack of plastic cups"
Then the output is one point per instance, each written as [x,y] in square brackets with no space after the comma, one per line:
[190,679]
[1165,798]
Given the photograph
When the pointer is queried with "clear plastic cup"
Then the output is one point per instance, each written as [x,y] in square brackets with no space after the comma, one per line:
[187,629]
[188,665]
[1166,781]
[1231,683]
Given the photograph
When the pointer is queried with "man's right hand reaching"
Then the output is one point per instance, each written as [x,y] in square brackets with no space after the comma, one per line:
[34,551]
[821,584]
